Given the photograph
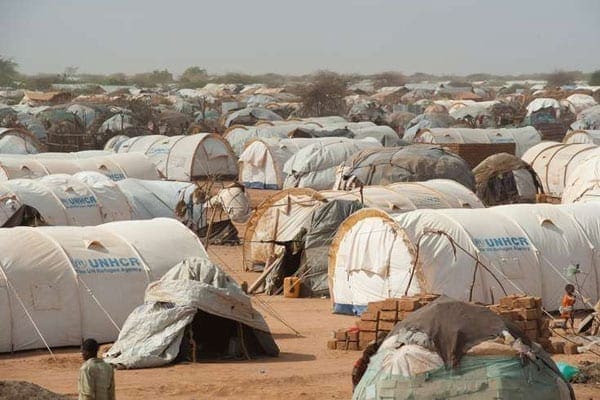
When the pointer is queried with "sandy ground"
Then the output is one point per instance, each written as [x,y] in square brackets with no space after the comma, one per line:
[305,369]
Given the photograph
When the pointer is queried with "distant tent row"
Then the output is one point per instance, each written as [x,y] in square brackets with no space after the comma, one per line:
[477,255]
[185,158]
[115,166]
[60,285]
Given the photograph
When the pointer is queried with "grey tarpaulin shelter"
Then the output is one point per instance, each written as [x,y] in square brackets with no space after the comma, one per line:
[454,350]
[194,310]
[413,163]
[320,233]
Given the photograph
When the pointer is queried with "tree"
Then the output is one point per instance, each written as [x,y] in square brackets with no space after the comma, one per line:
[194,77]
[324,95]
[70,72]
[8,71]
[560,78]
[389,78]
[595,78]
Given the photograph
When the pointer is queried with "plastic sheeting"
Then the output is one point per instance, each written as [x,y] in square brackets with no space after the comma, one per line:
[524,138]
[185,158]
[554,162]
[152,334]
[75,282]
[587,119]
[413,163]
[115,166]
[526,247]
[541,103]
[314,166]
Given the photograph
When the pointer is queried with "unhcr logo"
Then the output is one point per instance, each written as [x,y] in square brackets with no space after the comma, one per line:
[503,243]
[106,265]
[79,202]
[116,176]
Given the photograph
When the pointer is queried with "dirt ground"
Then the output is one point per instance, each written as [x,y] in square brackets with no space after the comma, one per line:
[305,369]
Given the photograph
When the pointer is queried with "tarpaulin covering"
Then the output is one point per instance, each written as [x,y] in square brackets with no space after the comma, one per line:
[152,334]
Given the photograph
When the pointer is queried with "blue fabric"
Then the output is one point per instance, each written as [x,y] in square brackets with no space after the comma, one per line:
[349,309]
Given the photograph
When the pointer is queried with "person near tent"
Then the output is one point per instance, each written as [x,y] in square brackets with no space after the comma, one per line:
[567,309]
[96,378]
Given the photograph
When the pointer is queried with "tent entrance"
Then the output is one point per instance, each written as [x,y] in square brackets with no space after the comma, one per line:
[210,337]
[25,216]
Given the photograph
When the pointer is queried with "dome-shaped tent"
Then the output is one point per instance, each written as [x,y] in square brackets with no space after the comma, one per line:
[553,162]
[515,248]
[504,179]
[412,163]
[587,119]
[186,158]
[19,141]
[66,284]
[451,349]
[115,166]
[314,166]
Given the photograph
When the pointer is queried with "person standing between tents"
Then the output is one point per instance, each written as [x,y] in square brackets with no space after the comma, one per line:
[96,378]
[567,310]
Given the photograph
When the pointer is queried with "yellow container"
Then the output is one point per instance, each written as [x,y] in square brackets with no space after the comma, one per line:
[291,287]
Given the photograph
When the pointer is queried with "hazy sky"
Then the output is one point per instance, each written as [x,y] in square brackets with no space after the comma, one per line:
[255,36]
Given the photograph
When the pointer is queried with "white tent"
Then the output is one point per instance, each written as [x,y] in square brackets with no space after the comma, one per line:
[526,249]
[583,184]
[19,141]
[540,103]
[65,284]
[283,215]
[115,166]
[185,158]
[578,102]
[314,166]
[583,136]
[553,162]
[90,198]
[261,163]
[523,138]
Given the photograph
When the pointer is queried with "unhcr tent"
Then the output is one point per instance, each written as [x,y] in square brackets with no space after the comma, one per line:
[478,254]
[195,311]
[454,350]
[505,179]
[281,217]
[523,138]
[412,163]
[115,166]
[186,158]
[115,142]
[19,141]
[583,136]
[553,162]
[583,184]
[250,116]
[587,119]
[60,285]
[314,165]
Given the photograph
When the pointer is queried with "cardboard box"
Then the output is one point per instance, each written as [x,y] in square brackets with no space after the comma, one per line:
[367,336]
[375,306]
[386,325]
[341,345]
[528,313]
[388,315]
[524,302]
[332,344]
[369,316]
[352,346]
[390,305]
[409,304]
[340,334]
[352,336]
[367,325]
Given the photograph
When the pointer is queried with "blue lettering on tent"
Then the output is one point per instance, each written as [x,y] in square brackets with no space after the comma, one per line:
[79,202]
[106,265]
[502,243]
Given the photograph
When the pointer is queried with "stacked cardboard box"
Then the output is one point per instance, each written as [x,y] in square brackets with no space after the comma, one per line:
[526,313]
[475,153]
[379,319]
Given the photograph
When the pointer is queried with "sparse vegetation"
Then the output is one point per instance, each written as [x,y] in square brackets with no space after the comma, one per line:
[560,78]
[595,78]
[8,71]
[324,95]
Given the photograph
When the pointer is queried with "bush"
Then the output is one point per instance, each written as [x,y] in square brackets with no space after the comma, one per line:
[560,78]
[595,78]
